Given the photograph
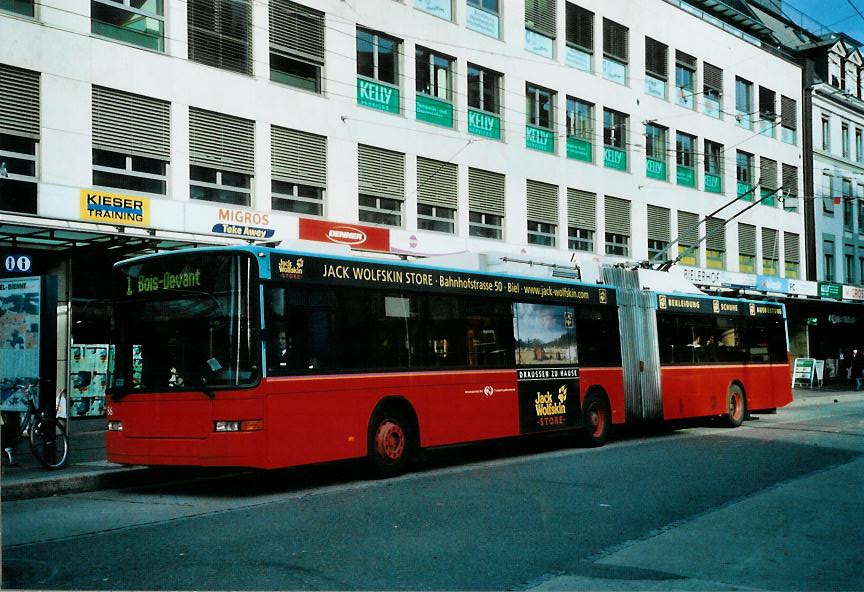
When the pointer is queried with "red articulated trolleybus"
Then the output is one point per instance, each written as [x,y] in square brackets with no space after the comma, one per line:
[257,357]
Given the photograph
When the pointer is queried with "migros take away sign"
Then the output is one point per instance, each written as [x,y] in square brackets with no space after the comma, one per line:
[114,208]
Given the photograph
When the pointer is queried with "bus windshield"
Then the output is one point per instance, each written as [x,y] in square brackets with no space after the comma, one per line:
[185,323]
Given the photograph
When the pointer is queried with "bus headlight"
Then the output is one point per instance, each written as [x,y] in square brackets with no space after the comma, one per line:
[115,426]
[245,425]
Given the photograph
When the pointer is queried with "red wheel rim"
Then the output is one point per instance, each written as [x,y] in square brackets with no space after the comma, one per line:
[735,408]
[596,419]
[390,441]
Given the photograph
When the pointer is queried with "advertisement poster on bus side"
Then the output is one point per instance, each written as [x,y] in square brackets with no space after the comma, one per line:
[19,340]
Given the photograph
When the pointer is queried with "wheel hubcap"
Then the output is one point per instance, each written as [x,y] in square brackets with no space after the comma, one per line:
[596,419]
[734,406]
[390,441]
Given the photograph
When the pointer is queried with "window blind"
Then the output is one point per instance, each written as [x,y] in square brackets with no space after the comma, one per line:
[381,172]
[437,183]
[715,234]
[298,157]
[19,101]
[658,223]
[685,59]
[297,29]
[581,209]
[617,215]
[656,58]
[615,41]
[790,179]
[542,201]
[769,243]
[580,27]
[688,229]
[485,192]
[220,34]
[746,239]
[791,247]
[221,141]
[540,16]
[768,173]
[131,124]
[713,77]
[788,113]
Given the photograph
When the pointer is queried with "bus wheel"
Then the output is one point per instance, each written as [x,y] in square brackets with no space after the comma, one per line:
[390,443]
[596,419]
[736,406]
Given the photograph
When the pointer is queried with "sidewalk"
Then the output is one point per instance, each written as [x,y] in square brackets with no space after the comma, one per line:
[88,470]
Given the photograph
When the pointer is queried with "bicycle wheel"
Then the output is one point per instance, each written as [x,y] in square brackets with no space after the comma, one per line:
[49,443]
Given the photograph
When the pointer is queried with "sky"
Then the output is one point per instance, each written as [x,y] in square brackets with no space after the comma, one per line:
[837,15]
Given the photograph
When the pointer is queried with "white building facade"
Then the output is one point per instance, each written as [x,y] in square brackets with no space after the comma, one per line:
[577,132]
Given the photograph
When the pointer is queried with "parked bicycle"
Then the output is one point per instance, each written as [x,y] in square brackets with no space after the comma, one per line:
[48,438]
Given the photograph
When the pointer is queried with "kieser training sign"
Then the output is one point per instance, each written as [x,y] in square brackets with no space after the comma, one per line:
[114,208]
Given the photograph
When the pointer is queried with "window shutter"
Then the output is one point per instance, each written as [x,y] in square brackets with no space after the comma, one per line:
[790,180]
[658,223]
[791,247]
[746,239]
[769,244]
[19,101]
[581,209]
[297,29]
[767,98]
[298,157]
[715,233]
[656,58]
[617,215]
[685,59]
[131,124]
[768,173]
[221,141]
[615,41]
[381,172]
[580,27]
[713,77]
[540,16]
[688,229]
[788,113]
[542,202]
[220,33]
[437,183]
[485,192]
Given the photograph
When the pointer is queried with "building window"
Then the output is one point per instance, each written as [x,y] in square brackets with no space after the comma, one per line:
[767,112]
[859,146]
[298,171]
[434,85]
[436,218]
[791,255]
[849,264]
[484,89]
[131,141]
[297,45]
[381,183]
[216,139]
[713,167]
[768,181]
[688,238]
[744,174]
[828,194]
[826,133]
[656,67]
[580,129]
[220,186]
[659,224]
[19,139]
[846,204]
[220,34]
[655,151]
[744,103]
[580,37]
[746,248]
[130,21]
[616,51]
[540,27]
[437,195]
[22,7]
[129,173]
[540,113]
[378,71]
[297,198]
[860,202]
[828,259]
[788,120]
[614,139]
[844,139]
[617,217]
[542,201]
[790,188]
[685,79]
[380,210]
[482,16]
[715,243]
[485,204]
[712,90]
[18,180]
[581,220]
[685,158]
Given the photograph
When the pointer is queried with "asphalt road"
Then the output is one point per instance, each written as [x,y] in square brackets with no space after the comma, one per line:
[775,504]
